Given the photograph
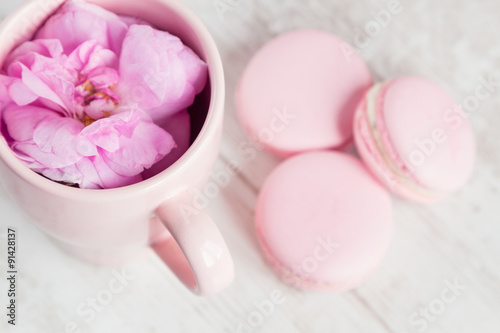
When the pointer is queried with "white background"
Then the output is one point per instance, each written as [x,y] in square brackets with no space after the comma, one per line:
[454,42]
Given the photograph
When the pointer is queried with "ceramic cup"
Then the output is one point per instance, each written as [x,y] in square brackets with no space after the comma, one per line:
[114,226]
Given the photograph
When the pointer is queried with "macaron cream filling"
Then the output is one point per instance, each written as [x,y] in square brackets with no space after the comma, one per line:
[374,115]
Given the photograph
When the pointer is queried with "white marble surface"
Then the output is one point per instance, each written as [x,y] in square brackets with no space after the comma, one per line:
[454,42]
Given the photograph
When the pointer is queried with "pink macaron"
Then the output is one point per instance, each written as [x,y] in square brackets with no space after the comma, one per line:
[414,138]
[323,221]
[299,92]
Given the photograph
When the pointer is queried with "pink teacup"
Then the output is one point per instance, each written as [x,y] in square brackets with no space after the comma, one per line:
[117,225]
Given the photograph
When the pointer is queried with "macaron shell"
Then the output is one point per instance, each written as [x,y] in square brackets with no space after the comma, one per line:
[415,110]
[322,198]
[299,92]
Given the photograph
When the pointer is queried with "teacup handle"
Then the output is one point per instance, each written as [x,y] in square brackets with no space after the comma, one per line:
[196,252]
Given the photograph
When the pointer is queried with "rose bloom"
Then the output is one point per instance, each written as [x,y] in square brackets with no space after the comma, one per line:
[82,102]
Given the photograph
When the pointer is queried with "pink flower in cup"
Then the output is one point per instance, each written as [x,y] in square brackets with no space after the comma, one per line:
[69,100]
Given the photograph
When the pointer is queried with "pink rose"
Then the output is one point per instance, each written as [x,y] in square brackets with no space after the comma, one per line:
[69,100]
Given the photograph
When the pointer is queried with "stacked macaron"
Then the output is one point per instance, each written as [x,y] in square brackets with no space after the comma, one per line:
[408,133]
[323,218]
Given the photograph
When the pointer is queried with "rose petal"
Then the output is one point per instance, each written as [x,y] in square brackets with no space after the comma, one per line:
[148,145]
[79,21]
[47,159]
[21,94]
[50,48]
[37,71]
[103,77]
[40,88]
[159,73]
[129,142]
[89,56]
[111,179]
[130,20]
[21,122]
[46,79]
[44,135]
[106,132]
[90,176]
[58,135]
[5,82]
[179,126]
[70,174]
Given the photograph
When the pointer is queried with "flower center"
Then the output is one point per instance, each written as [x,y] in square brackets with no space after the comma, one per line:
[97,103]
[92,94]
